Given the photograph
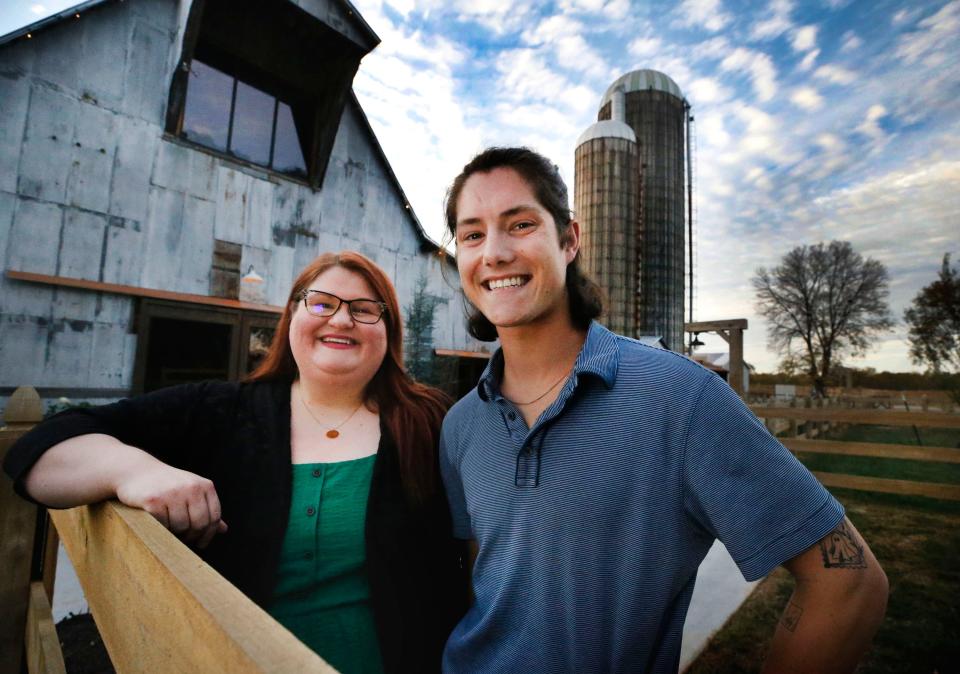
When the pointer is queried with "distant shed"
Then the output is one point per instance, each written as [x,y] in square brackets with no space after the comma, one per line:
[720,363]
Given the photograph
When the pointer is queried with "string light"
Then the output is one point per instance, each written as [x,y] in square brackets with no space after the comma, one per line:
[76,15]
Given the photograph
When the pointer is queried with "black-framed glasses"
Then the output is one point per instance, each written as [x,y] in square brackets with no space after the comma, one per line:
[362,310]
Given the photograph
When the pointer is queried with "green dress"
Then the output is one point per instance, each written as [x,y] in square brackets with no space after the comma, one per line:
[322,594]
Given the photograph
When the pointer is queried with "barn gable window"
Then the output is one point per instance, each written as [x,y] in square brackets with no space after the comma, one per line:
[265,83]
[226,114]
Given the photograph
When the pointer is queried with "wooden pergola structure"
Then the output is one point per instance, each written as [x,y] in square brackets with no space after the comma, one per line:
[732,332]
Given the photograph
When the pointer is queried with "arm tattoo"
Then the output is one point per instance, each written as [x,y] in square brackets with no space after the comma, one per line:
[842,550]
[791,616]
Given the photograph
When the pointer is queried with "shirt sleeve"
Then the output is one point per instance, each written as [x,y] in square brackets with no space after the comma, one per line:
[747,489]
[162,423]
[452,482]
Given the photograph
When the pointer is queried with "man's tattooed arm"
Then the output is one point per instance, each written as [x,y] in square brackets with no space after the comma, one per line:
[791,616]
[836,607]
[841,549]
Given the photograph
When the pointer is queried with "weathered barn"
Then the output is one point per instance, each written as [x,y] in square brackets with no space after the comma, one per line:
[166,168]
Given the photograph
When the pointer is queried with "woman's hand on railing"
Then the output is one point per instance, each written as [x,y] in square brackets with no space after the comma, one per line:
[185,503]
[95,467]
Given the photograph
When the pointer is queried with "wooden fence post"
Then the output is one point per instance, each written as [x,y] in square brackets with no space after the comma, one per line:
[24,410]
[18,524]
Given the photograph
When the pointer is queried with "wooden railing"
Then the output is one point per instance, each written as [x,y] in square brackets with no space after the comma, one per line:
[815,417]
[157,605]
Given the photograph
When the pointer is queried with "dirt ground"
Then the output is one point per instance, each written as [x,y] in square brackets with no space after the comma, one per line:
[83,650]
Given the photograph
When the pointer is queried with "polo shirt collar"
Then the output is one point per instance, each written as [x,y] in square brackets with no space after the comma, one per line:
[599,357]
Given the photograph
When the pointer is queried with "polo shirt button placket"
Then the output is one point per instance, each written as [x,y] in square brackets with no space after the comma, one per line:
[528,465]
[513,421]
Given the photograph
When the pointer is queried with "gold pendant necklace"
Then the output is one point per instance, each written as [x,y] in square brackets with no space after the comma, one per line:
[542,395]
[332,432]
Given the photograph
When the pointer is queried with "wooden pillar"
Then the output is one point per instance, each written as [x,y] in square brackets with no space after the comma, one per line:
[736,360]
[731,331]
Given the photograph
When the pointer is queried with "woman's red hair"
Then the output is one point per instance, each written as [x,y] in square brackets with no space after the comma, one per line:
[411,411]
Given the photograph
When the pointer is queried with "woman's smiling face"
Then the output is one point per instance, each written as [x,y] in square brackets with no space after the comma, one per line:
[338,345]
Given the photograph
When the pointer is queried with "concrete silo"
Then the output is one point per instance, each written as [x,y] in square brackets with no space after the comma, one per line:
[655,110]
[606,194]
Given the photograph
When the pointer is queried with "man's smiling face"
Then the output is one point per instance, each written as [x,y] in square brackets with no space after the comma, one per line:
[512,266]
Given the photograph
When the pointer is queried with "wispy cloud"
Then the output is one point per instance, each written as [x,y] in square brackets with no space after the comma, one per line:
[705,90]
[870,126]
[804,38]
[808,60]
[645,46]
[758,66]
[775,21]
[851,42]
[934,35]
[806,98]
[564,36]
[835,74]
[706,14]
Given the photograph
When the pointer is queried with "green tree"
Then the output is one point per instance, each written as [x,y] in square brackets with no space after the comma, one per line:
[418,339]
[822,302]
[934,321]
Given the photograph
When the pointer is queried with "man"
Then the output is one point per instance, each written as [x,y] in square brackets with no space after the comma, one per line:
[590,474]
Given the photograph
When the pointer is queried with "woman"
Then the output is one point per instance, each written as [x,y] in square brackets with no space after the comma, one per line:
[312,487]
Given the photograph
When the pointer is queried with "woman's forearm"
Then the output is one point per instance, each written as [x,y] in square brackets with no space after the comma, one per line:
[90,468]
[84,469]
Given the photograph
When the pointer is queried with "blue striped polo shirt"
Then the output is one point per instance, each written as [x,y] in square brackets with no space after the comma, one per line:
[592,523]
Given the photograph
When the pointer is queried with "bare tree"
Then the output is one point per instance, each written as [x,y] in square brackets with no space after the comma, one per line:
[825,299]
[934,320]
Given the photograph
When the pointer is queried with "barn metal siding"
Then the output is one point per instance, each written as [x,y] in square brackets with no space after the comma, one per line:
[91,188]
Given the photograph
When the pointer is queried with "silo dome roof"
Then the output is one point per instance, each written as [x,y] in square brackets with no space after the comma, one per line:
[641,80]
[608,128]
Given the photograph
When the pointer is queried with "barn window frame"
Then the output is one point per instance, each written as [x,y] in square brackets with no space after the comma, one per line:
[282,51]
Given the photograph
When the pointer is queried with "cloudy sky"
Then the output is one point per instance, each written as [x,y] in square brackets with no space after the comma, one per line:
[815,120]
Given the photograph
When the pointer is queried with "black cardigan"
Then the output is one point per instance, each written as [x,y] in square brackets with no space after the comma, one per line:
[238,436]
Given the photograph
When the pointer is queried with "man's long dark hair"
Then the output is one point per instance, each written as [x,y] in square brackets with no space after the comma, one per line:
[585,296]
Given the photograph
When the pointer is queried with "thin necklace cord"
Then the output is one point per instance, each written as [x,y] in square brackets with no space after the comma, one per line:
[331,432]
[542,395]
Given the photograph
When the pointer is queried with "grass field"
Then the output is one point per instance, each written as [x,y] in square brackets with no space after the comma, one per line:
[900,435]
[917,542]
